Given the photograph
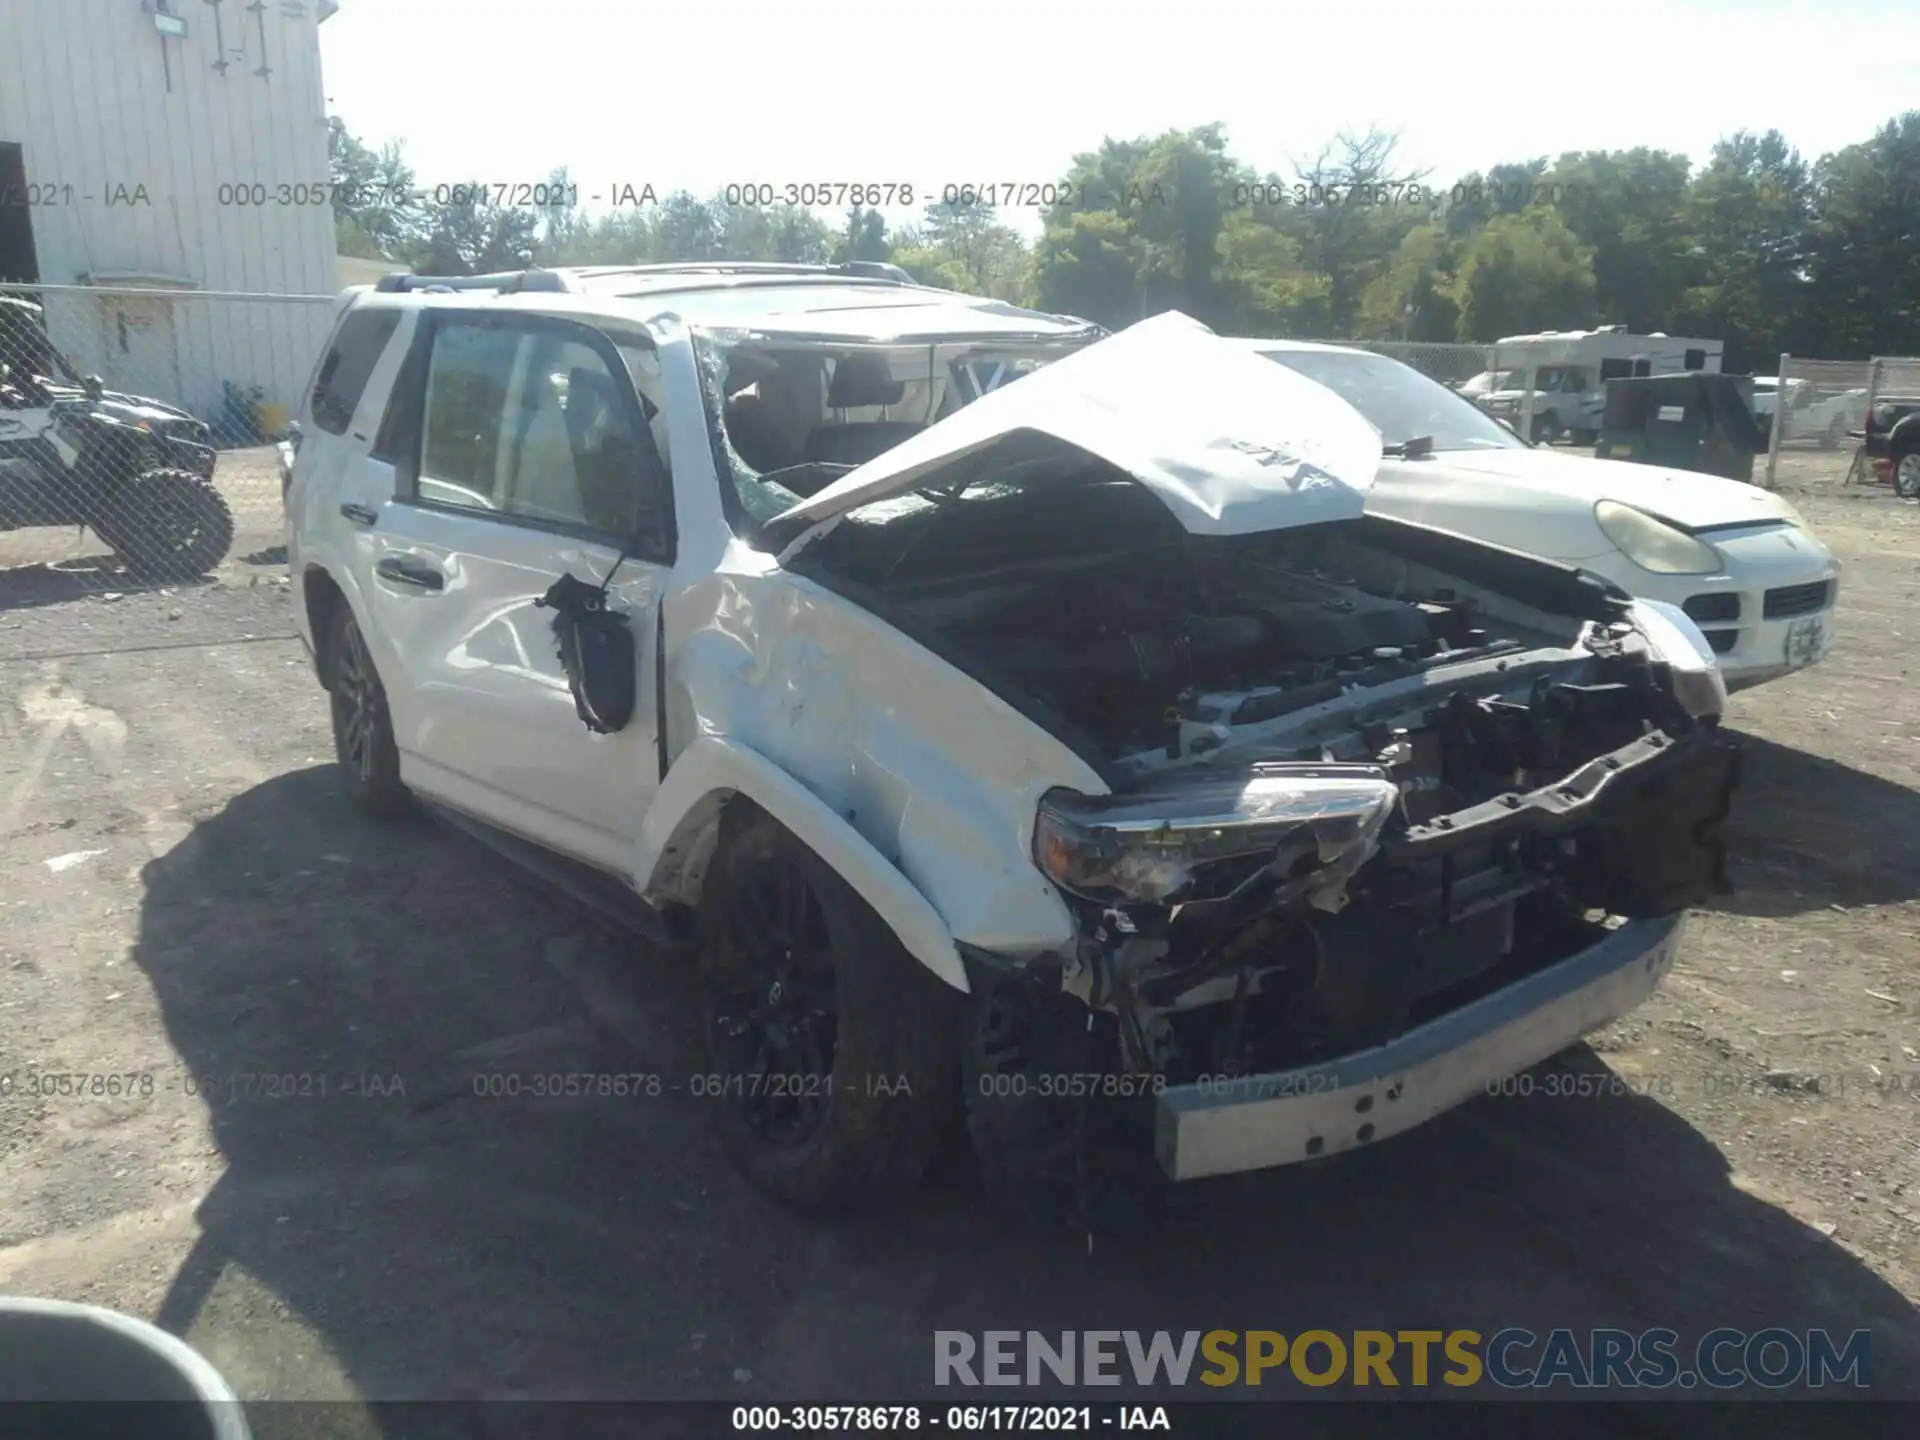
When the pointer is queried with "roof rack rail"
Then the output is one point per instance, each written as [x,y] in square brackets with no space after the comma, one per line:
[877,270]
[864,269]
[566,279]
[508,282]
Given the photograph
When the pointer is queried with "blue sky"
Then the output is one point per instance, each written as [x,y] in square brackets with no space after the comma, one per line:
[699,96]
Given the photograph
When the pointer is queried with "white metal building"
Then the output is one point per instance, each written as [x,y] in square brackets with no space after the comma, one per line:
[171,146]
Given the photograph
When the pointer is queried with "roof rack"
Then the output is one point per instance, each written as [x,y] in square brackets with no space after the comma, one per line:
[508,282]
[566,279]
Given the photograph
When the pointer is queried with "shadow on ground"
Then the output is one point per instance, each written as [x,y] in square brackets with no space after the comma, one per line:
[1807,833]
[453,1242]
[56,582]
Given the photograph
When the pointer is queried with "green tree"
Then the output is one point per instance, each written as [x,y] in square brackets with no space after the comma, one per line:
[1266,289]
[1629,206]
[377,208]
[1139,230]
[1350,224]
[865,237]
[1089,264]
[1475,198]
[688,228]
[1747,216]
[1863,252]
[471,235]
[1412,298]
[561,222]
[1522,273]
[962,245]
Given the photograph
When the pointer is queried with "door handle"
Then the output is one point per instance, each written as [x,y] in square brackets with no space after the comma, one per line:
[410,570]
[359,514]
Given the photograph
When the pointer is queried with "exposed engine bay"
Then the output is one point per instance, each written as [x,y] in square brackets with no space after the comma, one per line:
[1362,773]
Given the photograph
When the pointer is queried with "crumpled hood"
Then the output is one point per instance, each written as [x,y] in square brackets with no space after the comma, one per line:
[1684,497]
[1229,441]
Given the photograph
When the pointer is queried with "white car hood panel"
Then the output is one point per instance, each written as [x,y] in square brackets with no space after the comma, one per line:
[1542,502]
[1231,442]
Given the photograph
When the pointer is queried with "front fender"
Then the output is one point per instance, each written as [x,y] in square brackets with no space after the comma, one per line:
[678,832]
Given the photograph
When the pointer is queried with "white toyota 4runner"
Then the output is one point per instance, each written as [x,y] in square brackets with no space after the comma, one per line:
[1015,724]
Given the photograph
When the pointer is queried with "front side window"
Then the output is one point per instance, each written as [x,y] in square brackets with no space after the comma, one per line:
[536,424]
[1400,402]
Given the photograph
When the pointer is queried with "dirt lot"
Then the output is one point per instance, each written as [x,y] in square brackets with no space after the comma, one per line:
[186,902]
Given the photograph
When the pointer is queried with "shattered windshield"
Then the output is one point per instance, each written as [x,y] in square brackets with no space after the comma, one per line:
[1400,402]
[789,417]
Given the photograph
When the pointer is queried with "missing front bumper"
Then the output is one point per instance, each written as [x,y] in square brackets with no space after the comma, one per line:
[1255,1122]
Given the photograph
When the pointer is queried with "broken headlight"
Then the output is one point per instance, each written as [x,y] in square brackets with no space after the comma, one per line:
[1652,544]
[1149,847]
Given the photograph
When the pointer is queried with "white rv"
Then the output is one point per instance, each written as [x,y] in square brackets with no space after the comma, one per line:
[1570,370]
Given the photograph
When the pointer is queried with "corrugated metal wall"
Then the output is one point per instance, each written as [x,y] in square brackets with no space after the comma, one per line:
[132,145]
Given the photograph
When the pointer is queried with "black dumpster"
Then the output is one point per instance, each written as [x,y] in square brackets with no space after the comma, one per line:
[79,1370]
[1688,422]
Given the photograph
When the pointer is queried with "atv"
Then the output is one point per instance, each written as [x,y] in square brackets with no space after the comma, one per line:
[136,472]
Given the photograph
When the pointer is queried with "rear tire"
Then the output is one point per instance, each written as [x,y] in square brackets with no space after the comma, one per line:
[167,525]
[362,725]
[1906,474]
[831,1066]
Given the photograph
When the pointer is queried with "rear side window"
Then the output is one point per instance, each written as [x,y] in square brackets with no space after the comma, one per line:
[349,361]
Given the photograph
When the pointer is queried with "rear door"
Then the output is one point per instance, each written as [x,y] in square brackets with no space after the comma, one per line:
[342,408]
[522,453]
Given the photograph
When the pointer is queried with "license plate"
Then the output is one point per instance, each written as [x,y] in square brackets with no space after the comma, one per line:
[1806,640]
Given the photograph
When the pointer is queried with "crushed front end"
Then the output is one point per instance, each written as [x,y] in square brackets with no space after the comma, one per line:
[1449,835]
[1478,863]
[1389,814]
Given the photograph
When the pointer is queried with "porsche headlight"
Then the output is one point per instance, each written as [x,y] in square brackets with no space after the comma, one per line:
[1150,847]
[1653,544]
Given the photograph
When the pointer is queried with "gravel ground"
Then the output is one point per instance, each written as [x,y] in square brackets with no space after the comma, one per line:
[298,1175]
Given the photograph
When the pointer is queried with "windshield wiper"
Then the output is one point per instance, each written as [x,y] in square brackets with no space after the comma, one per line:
[1418,448]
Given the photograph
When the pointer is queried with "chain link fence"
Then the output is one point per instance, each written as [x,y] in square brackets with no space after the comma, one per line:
[1818,409]
[138,431]
[1815,409]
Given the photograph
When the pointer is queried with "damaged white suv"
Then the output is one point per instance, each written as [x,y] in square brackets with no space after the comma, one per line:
[1049,741]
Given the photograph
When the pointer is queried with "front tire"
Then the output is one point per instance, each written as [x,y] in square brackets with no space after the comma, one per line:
[1546,429]
[167,525]
[362,724]
[831,1053]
